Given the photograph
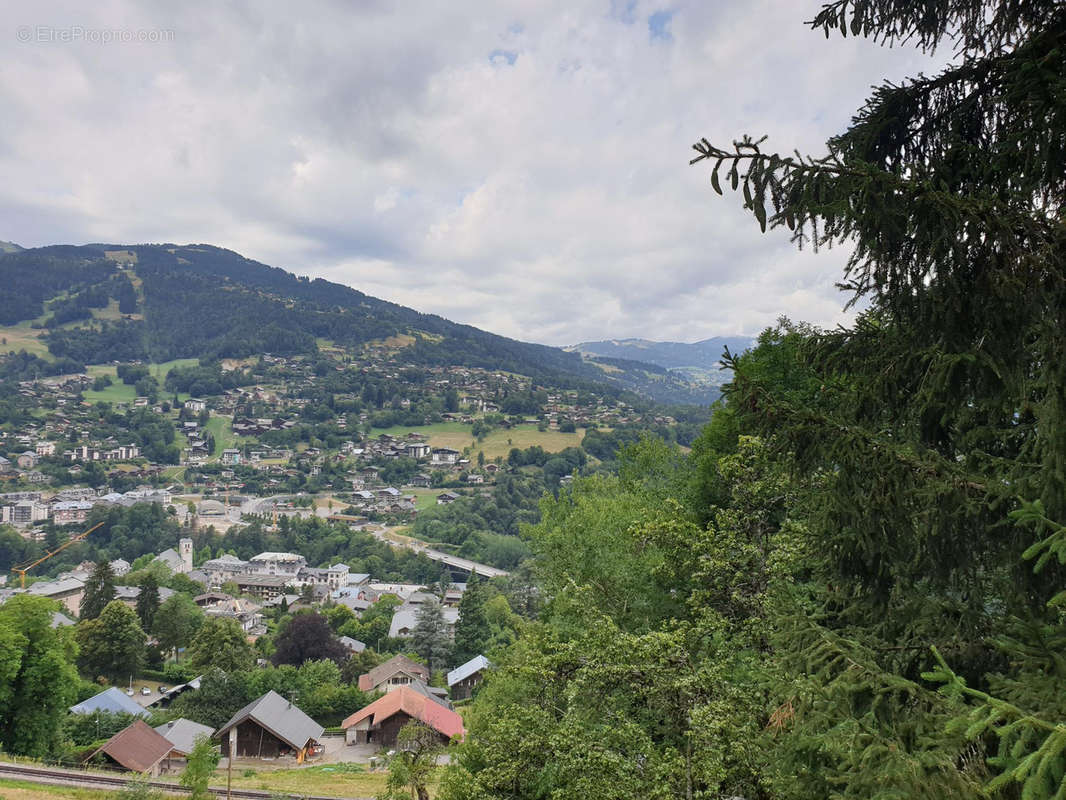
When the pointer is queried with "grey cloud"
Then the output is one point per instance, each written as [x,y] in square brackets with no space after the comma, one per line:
[546,197]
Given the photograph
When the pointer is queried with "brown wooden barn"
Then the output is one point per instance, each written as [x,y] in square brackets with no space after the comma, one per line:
[271,727]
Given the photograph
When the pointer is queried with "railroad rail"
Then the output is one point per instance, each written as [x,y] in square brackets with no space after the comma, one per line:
[70,777]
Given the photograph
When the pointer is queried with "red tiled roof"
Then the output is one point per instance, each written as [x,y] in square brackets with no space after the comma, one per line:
[138,748]
[415,705]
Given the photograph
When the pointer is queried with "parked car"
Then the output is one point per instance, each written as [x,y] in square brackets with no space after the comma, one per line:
[129,692]
[162,689]
[145,690]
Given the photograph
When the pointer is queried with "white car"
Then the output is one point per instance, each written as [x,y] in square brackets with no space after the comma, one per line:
[129,692]
[145,690]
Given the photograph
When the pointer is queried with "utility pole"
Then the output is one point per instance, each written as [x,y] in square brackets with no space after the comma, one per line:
[229,761]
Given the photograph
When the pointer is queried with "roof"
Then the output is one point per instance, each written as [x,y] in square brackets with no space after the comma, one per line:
[280,717]
[269,556]
[170,558]
[182,733]
[382,672]
[112,700]
[416,705]
[353,645]
[474,665]
[406,617]
[138,748]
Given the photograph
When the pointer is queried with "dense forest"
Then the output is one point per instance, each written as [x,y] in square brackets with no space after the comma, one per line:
[852,586]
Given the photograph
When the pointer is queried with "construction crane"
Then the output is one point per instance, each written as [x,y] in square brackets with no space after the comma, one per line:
[72,540]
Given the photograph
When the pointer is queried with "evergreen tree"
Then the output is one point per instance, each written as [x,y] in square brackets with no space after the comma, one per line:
[148,601]
[937,415]
[99,590]
[430,638]
[472,630]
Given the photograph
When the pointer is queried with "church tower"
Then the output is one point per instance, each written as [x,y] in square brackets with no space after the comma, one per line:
[185,551]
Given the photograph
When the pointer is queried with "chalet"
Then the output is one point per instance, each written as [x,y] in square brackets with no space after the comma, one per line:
[353,646]
[71,511]
[463,679]
[444,455]
[406,617]
[396,672]
[446,497]
[264,587]
[136,748]
[194,405]
[380,722]
[422,481]
[270,727]
[417,450]
[28,460]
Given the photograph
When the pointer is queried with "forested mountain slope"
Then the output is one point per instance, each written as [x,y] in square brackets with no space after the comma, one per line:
[101,303]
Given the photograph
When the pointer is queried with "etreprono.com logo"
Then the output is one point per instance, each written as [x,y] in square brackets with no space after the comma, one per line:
[73,34]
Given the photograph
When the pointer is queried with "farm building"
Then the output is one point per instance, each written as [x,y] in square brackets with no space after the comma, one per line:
[136,748]
[271,727]
[380,722]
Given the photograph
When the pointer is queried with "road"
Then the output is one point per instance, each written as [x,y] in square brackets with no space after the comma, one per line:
[464,564]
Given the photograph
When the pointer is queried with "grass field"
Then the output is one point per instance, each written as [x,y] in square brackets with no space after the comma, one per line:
[118,392]
[498,443]
[222,429]
[23,337]
[24,790]
[339,780]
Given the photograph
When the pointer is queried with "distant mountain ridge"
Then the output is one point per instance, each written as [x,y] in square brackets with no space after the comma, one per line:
[702,356]
[109,302]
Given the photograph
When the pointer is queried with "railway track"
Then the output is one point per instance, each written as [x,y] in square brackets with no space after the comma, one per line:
[70,777]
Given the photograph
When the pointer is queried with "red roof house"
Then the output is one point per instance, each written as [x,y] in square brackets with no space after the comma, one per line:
[380,721]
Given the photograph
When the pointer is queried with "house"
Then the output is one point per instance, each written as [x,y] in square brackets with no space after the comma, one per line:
[417,449]
[444,455]
[421,481]
[263,587]
[406,617]
[463,679]
[194,405]
[271,727]
[28,460]
[224,568]
[287,564]
[446,497]
[67,591]
[396,672]
[380,722]
[136,748]
[182,734]
[111,701]
[230,457]
[353,646]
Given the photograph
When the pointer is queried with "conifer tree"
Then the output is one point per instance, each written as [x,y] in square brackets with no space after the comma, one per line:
[472,630]
[937,414]
[148,601]
[430,637]
[99,591]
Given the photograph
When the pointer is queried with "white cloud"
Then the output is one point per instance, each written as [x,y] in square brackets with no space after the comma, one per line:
[519,166]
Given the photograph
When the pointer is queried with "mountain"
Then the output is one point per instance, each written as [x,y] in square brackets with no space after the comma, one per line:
[100,303]
[9,247]
[699,362]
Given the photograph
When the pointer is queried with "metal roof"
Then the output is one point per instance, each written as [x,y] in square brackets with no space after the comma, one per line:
[182,733]
[461,673]
[280,717]
[112,700]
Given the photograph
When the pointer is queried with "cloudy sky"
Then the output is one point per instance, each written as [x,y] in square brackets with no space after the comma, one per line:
[520,166]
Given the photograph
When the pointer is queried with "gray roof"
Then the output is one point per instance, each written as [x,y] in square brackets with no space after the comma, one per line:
[280,717]
[354,645]
[406,617]
[461,673]
[112,700]
[182,733]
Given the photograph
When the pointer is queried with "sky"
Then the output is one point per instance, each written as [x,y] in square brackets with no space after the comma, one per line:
[518,166]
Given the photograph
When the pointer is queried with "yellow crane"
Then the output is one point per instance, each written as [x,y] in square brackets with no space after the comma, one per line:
[72,540]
